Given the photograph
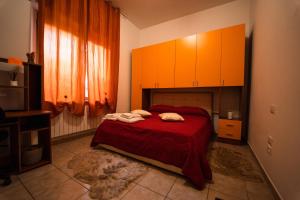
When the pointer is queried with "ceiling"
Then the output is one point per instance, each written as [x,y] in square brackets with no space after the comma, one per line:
[145,13]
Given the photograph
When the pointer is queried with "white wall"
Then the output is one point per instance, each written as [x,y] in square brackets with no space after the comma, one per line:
[236,12]
[15,28]
[129,39]
[275,80]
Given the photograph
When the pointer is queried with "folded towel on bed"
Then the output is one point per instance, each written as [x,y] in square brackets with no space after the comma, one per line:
[123,117]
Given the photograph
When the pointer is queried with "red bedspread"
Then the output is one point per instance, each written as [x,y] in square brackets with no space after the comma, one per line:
[182,144]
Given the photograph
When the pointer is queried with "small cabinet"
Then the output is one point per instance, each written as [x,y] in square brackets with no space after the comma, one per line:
[208,59]
[157,63]
[185,61]
[136,87]
[230,129]
[233,56]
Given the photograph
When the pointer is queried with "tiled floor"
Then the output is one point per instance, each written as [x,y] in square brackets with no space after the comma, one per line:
[56,182]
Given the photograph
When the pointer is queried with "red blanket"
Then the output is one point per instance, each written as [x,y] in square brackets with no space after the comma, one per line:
[182,144]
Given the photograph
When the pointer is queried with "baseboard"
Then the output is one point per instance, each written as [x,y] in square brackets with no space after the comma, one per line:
[267,177]
[66,138]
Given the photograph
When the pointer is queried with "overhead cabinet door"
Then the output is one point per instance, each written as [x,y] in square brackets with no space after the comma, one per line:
[158,65]
[185,61]
[136,89]
[233,56]
[208,59]
[148,67]
[165,59]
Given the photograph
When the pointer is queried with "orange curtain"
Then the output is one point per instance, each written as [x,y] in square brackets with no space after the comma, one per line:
[102,56]
[74,39]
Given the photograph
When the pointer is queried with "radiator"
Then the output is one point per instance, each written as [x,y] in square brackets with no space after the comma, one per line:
[66,123]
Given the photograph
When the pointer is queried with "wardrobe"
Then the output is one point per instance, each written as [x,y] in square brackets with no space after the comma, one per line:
[214,59]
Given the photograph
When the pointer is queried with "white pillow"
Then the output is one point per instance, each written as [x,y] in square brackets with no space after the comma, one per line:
[143,113]
[171,117]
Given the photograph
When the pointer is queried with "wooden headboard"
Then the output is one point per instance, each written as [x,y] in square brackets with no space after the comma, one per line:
[195,99]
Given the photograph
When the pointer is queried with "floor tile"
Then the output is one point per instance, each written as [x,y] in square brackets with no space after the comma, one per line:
[212,195]
[86,140]
[228,185]
[69,172]
[60,157]
[257,196]
[183,190]
[68,190]
[15,192]
[74,146]
[45,183]
[141,193]
[35,173]
[158,181]
[62,164]
[14,182]
[258,191]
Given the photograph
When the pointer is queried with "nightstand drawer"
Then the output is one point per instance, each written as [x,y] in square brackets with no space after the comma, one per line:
[230,129]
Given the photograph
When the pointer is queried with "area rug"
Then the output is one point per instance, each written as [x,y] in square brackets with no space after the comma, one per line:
[233,163]
[108,174]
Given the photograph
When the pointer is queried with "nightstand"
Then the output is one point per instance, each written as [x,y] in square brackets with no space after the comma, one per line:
[230,129]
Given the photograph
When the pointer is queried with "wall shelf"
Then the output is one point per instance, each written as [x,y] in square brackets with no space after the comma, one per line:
[12,87]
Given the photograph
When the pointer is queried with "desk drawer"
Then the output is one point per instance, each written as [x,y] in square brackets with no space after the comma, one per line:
[230,129]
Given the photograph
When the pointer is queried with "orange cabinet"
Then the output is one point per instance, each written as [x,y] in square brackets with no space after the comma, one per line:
[229,129]
[185,61]
[148,64]
[208,59]
[136,88]
[165,61]
[233,56]
[158,65]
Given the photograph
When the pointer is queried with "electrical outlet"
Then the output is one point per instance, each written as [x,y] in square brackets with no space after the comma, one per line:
[269,149]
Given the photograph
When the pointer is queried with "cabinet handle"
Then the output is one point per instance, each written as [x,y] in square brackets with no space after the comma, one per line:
[230,125]
[157,85]
[228,134]
[223,82]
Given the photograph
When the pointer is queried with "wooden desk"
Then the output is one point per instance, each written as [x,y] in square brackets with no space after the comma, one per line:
[21,124]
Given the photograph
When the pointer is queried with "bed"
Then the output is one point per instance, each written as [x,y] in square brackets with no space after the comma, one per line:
[177,146]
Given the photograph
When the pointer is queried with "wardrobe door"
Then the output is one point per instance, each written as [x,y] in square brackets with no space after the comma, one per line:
[233,56]
[185,61]
[149,67]
[165,60]
[208,59]
[136,87]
